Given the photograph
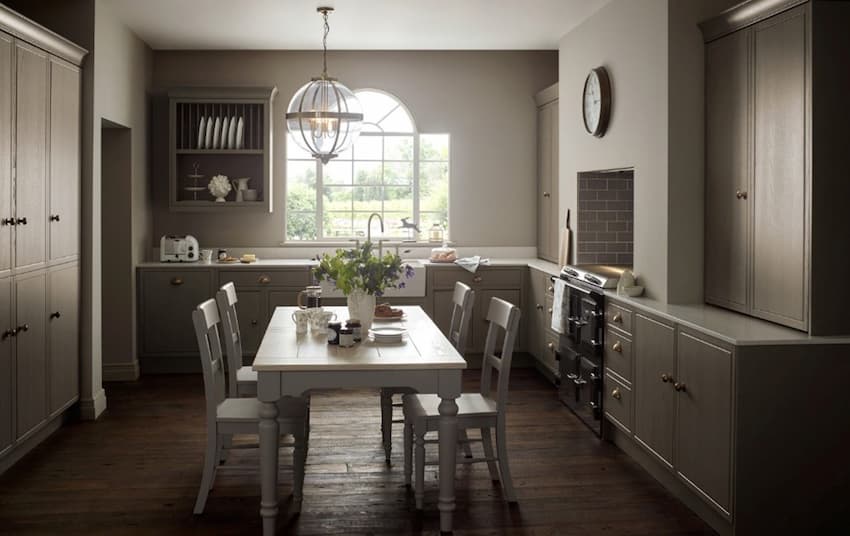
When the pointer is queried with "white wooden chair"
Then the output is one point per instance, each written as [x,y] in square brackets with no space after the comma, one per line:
[229,416]
[463,300]
[475,410]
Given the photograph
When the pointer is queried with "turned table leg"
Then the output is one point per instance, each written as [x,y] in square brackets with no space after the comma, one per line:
[448,462]
[269,442]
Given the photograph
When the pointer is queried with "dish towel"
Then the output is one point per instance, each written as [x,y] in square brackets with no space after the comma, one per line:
[558,324]
[472,263]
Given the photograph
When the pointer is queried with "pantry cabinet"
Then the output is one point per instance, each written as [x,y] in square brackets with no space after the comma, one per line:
[63,318]
[547,174]
[30,352]
[7,370]
[6,131]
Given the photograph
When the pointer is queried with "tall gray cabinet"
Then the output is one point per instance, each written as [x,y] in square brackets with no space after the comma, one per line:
[548,227]
[775,186]
[39,232]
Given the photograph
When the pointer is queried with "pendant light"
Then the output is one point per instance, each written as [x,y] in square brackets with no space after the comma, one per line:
[324,117]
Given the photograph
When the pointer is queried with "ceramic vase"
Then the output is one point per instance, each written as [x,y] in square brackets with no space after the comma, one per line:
[361,306]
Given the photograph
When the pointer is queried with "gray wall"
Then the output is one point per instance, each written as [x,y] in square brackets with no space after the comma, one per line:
[654,54]
[484,100]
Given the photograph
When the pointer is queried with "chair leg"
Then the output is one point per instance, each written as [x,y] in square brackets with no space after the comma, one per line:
[210,459]
[467,448]
[387,422]
[487,441]
[299,460]
[419,461]
[408,451]
[504,467]
[219,456]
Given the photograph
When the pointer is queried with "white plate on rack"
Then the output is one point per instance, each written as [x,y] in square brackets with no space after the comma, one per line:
[231,134]
[208,134]
[216,141]
[202,132]
[225,124]
[240,131]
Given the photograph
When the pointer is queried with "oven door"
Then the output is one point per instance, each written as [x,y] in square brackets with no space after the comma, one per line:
[569,369]
[591,332]
[589,391]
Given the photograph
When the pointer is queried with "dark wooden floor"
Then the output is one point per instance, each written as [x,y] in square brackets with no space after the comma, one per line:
[137,469]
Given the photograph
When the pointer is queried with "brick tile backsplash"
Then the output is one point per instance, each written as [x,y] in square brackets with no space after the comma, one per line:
[605,218]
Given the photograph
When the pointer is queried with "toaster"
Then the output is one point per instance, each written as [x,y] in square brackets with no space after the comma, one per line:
[175,248]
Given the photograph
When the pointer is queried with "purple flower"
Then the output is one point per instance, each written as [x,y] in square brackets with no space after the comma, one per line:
[401,285]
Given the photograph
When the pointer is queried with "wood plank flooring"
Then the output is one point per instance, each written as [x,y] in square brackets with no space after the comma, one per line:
[137,470]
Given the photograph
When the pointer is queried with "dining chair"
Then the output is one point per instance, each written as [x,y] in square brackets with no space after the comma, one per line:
[483,410]
[229,416]
[462,301]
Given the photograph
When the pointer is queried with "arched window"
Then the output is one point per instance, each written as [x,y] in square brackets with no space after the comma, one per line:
[392,169]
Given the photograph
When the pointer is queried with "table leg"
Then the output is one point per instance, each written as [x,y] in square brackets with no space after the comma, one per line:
[448,461]
[269,443]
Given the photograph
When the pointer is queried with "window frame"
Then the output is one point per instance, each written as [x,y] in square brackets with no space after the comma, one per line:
[416,162]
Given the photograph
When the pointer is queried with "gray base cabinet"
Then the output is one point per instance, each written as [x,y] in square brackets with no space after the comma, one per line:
[541,341]
[167,300]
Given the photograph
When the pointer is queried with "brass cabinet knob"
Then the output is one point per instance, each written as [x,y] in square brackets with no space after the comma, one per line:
[616,393]
[666,378]
[617,347]
[617,318]
[681,387]
[550,289]
[264,280]
[477,279]
[54,217]
[741,194]
[551,346]
[254,322]
[177,281]
[539,307]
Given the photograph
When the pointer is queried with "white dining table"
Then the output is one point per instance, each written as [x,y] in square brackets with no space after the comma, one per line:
[291,364]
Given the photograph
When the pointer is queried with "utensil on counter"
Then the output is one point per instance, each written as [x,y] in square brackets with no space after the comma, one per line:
[564,249]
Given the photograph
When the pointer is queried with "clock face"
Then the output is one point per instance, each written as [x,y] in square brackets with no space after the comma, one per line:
[596,102]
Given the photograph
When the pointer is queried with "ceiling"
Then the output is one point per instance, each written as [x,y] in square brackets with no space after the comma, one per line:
[356,24]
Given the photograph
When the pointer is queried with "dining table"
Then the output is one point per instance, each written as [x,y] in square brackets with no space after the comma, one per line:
[289,363]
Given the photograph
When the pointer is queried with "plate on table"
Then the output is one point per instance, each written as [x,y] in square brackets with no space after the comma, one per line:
[387,334]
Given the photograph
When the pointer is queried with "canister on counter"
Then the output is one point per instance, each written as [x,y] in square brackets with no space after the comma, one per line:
[333,332]
[356,329]
[346,337]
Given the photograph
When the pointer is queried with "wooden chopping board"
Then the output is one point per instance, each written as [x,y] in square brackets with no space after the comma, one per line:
[564,249]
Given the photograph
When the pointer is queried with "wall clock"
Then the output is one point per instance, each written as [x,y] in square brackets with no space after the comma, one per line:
[596,102]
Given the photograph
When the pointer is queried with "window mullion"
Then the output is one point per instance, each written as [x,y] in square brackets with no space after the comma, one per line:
[320,209]
[416,180]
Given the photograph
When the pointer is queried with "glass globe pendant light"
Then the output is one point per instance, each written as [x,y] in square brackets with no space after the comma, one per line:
[324,117]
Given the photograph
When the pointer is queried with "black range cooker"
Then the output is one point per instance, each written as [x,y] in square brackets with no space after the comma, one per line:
[581,346]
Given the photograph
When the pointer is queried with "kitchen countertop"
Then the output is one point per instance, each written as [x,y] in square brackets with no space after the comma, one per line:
[261,263]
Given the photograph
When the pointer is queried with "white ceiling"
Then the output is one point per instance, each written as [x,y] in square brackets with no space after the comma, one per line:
[356,24]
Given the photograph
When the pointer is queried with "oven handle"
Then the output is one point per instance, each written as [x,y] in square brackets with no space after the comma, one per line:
[577,288]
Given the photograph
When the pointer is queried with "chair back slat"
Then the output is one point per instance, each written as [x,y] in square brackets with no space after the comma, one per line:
[226,300]
[206,320]
[463,300]
[504,318]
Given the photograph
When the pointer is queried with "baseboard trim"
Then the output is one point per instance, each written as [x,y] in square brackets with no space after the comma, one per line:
[21,449]
[121,372]
[92,408]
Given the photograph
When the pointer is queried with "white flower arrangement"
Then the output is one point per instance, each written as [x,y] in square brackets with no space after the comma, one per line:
[219,187]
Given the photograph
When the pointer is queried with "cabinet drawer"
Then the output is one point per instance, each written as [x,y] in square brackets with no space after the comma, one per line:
[483,278]
[618,353]
[299,277]
[549,353]
[619,317]
[618,402]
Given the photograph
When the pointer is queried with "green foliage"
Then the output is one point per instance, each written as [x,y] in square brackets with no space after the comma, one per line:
[358,269]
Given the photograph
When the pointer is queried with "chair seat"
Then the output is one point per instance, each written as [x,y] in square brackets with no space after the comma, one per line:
[248,409]
[246,375]
[468,405]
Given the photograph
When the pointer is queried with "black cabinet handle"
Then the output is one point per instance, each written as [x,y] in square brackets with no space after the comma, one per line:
[8,333]
[7,221]
[24,327]
[54,217]
[55,314]
[22,221]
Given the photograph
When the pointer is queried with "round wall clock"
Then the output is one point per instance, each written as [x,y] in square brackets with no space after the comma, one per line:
[596,102]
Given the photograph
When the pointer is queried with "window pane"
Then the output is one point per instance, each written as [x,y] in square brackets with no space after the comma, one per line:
[434,187]
[300,225]
[398,173]
[399,199]
[398,148]
[337,224]
[368,148]
[434,146]
[301,186]
[367,173]
[397,121]
[337,198]
[368,198]
[337,172]
[361,221]
[428,219]
[394,225]
[293,151]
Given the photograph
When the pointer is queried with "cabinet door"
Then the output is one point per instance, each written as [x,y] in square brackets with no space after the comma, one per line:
[30,353]
[654,349]
[535,322]
[64,160]
[727,171]
[280,298]
[6,91]
[7,420]
[31,156]
[554,223]
[252,319]
[168,298]
[63,341]
[779,189]
[704,424]
[546,121]
[479,318]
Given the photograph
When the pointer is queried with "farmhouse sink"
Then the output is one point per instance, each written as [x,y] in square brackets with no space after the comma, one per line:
[413,288]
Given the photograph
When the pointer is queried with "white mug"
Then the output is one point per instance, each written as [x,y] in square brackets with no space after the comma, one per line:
[319,319]
[301,319]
